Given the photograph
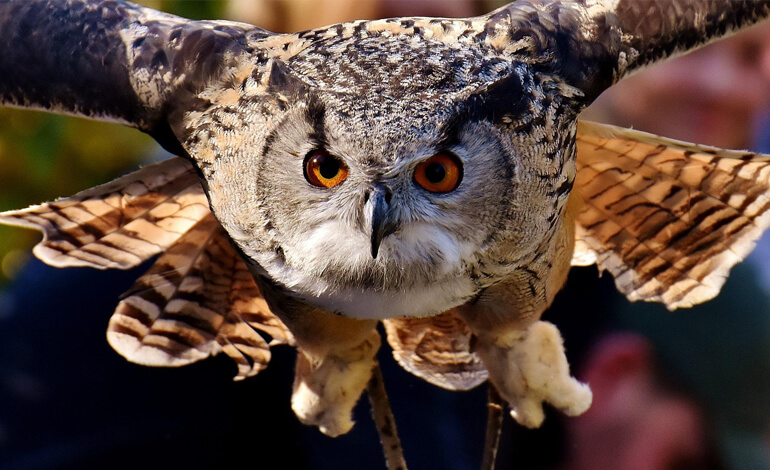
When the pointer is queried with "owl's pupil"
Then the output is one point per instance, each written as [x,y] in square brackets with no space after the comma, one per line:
[328,166]
[435,172]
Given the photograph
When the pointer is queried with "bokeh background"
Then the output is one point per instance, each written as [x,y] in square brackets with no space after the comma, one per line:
[683,390]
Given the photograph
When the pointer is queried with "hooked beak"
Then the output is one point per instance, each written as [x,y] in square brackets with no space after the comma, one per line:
[382,220]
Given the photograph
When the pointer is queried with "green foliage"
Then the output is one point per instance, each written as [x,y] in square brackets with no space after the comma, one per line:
[194,9]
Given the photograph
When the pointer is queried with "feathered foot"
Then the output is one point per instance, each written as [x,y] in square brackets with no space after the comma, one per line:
[529,367]
[326,389]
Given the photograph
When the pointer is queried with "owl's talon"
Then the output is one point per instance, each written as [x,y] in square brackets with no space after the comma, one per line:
[531,368]
[529,413]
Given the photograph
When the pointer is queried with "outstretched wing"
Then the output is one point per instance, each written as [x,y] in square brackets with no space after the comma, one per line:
[113,61]
[667,218]
[119,224]
[198,299]
[436,349]
[592,44]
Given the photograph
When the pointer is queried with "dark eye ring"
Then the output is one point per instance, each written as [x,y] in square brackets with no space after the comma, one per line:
[323,169]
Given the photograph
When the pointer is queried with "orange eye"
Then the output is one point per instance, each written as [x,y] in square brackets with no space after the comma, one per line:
[324,170]
[440,173]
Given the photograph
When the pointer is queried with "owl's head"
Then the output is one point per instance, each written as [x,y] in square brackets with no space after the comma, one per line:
[372,175]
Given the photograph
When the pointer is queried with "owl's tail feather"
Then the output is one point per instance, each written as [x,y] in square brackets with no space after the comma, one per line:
[437,349]
[667,218]
[198,299]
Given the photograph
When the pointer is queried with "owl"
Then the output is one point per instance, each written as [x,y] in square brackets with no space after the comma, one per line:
[430,174]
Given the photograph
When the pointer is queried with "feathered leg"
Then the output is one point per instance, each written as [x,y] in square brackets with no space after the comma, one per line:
[334,366]
[335,359]
[524,356]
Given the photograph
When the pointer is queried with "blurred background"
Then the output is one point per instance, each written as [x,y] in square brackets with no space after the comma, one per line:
[682,390]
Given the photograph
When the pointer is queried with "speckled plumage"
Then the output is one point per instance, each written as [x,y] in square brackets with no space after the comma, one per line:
[501,92]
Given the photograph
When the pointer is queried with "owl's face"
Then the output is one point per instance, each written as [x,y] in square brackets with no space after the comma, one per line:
[387,190]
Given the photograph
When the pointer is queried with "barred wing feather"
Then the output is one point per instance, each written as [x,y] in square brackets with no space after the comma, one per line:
[667,218]
[119,224]
[197,300]
[436,349]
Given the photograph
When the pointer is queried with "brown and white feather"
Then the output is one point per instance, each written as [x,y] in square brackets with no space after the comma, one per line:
[437,349]
[118,224]
[667,218]
[197,300]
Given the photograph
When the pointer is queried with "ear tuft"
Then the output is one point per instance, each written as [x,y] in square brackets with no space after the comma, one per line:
[279,79]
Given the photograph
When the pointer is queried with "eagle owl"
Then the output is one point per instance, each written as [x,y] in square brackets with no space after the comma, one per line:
[427,173]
